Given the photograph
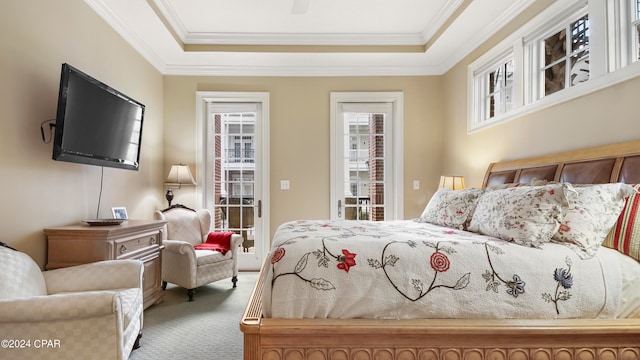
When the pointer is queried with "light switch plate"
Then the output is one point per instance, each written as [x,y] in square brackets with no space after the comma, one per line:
[284,184]
[416,184]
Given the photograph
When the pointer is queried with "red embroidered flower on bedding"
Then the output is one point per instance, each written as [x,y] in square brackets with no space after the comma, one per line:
[277,255]
[346,260]
[439,262]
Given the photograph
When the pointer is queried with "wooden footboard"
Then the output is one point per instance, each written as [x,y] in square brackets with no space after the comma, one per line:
[362,339]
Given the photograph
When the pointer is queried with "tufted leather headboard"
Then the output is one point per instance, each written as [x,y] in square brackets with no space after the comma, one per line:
[596,165]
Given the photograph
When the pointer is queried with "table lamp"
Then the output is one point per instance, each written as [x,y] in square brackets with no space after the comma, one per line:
[178,175]
[451,182]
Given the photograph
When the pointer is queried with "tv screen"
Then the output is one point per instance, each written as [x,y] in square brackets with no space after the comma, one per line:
[96,124]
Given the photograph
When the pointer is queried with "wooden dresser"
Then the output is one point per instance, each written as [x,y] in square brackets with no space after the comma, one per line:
[134,239]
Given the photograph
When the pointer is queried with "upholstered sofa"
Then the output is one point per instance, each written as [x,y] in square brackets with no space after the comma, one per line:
[90,311]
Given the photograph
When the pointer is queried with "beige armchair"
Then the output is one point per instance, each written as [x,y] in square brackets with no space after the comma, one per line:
[185,266]
[90,311]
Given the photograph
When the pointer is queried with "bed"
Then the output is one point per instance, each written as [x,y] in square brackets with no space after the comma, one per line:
[609,329]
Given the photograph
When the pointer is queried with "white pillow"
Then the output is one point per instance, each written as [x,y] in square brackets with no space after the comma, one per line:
[451,208]
[593,210]
[526,215]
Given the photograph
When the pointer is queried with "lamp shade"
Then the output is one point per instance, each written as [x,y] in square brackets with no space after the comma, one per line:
[180,175]
[451,182]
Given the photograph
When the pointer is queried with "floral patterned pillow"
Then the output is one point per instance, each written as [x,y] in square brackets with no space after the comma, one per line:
[451,208]
[593,211]
[526,215]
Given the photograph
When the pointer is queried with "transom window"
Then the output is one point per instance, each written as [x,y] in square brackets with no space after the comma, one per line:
[566,56]
[555,57]
[500,91]
[495,89]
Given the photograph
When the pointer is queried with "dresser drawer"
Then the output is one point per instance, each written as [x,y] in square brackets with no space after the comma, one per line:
[128,247]
[134,239]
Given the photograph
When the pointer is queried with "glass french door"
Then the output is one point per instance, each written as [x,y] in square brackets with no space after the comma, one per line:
[234,174]
[235,177]
[364,171]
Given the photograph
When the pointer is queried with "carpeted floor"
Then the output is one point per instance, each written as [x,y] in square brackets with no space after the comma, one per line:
[207,328]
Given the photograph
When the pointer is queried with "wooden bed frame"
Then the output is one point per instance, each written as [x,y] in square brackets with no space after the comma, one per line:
[468,339]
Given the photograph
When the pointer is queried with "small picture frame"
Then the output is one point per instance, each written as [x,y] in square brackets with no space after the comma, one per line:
[119,213]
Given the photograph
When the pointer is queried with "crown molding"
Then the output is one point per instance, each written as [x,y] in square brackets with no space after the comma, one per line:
[303,39]
[166,10]
[442,16]
[481,37]
[168,66]
[302,71]
[126,33]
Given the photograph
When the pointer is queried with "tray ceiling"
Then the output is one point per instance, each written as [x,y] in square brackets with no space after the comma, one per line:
[306,37]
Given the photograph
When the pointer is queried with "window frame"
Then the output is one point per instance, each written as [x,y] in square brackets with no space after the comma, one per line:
[480,89]
[608,46]
[633,31]
[623,20]
[504,92]
[534,47]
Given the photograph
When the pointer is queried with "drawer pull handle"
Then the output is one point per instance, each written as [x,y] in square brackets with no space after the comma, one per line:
[123,249]
[152,241]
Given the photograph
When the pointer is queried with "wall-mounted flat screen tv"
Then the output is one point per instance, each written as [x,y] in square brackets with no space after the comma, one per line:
[96,124]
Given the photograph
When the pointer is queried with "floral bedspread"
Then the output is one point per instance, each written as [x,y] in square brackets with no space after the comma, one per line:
[407,269]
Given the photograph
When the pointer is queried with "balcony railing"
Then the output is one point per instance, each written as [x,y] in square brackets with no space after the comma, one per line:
[357,207]
[240,155]
[358,155]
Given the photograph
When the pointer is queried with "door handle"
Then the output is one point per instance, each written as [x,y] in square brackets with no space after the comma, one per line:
[259,206]
[339,208]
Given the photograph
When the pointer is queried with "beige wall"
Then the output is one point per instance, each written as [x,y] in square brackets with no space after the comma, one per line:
[299,135]
[603,117]
[37,192]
